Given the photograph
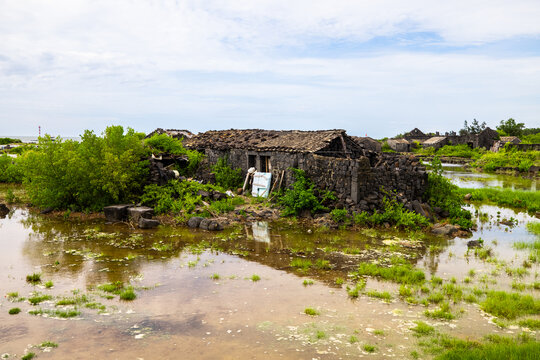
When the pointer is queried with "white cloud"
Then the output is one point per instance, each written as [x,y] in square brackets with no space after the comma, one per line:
[233,63]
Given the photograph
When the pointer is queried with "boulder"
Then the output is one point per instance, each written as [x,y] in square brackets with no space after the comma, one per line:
[216,195]
[468,196]
[4,210]
[209,224]
[448,229]
[145,223]
[116,213]
[194,221]
[475,243]
[204,194]
[137,212]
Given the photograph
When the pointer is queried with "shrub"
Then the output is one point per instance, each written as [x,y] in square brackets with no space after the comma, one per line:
[393,213]
[301,196]
[442,193]
[91,174]
[226,176]
[10,171]
[340,215]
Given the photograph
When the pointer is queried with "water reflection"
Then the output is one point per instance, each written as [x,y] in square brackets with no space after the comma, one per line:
[465,177]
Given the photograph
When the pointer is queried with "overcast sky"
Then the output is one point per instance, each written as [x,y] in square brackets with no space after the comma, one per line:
[370,67]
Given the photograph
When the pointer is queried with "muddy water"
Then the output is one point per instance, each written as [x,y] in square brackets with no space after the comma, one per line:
[196,297]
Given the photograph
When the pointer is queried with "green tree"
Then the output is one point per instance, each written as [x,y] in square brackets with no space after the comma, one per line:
[511,128]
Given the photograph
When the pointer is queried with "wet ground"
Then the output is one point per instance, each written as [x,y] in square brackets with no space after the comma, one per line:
[235,294]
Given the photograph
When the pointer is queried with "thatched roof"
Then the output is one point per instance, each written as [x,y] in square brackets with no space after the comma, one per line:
[273,140]
[174,133]
[434,140]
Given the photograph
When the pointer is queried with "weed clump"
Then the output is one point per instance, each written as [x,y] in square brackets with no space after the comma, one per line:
[422,329]
[399,272]
[28,356]
[311,312]
[33,278]
[510,305]
[14,311]
[394,213]
[255,277]
[128,294]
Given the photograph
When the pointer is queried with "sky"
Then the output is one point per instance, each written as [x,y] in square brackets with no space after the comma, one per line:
[375,68]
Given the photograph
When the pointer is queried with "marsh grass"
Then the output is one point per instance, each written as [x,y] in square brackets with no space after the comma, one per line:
[49,284]
[497,349]
[48,344]
[28,356]
[33,278]
[37,298]
[383,295]
[443,312]
[532,324]
[64,314]
[422,329]
[311,311]
[399,272]
[518,199]
[307,282]
[14,311]
[301,264]
[369,348]
[354,292]
[510,305]
[75,300]
[128,294]
[255,278]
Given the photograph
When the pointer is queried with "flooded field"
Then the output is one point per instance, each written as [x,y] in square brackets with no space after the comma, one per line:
[259,290]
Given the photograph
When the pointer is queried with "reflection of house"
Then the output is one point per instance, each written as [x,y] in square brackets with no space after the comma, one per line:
[435,142]
[399,145]
[330,158]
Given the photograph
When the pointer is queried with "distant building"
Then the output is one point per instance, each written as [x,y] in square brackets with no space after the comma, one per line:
[435,142]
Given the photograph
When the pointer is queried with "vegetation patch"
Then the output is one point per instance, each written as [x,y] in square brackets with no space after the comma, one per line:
[443,312]
[510,305]
[502,349]
[14,311]
[311,311]
[394,213]
[37,298]
[33,278]
[399,271]
[422,329]
[518,199]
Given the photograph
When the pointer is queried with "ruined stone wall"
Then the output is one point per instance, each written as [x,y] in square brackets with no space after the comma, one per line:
[526,147]
[355,181]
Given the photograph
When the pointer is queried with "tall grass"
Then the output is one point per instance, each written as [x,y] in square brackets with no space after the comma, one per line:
[518,199]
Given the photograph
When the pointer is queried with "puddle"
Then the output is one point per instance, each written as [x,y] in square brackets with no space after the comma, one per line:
[197,296]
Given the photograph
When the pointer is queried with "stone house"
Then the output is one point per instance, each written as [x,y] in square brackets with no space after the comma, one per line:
[174,133]
[368,143]
[399,145]
[435,142]
[330,158]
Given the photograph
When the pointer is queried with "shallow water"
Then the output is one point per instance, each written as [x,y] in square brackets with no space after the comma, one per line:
[468,178]
[196,299]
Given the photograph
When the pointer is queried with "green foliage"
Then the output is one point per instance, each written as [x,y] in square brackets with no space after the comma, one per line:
[255,277]
[165,144]
[10,170]
[226,176]
[386,148]
[176,196]
[510,305]
[340,215]
[531,138]
[28,356]
[509,349]
[399,272]
[395,214]
[534,227]
[527,200]
[91,174]
[508,157]
[443,312]
[128,294]
[14,311]
[226,205]
[442,193]
[383,295]
[474,128]
[301,196]
[33,278]
[311,312]
[510,128]
[422,329]
[6,140]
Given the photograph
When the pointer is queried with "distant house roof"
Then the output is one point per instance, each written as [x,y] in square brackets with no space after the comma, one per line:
[434,140]
[368,143]
[175,133]
[321,141]
[415,132]
[512,139]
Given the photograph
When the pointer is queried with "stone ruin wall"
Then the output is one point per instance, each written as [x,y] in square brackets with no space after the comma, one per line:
[356,182]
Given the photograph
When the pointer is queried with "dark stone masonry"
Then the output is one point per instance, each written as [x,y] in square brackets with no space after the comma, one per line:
[331,159]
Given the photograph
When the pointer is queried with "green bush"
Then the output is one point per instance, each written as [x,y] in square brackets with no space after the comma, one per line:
[226,176]
[393,213]
[340,215]
[10,170]
[442,193]
[91,174]
[301,196]
[5,141]
[508,157]
[518,199]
